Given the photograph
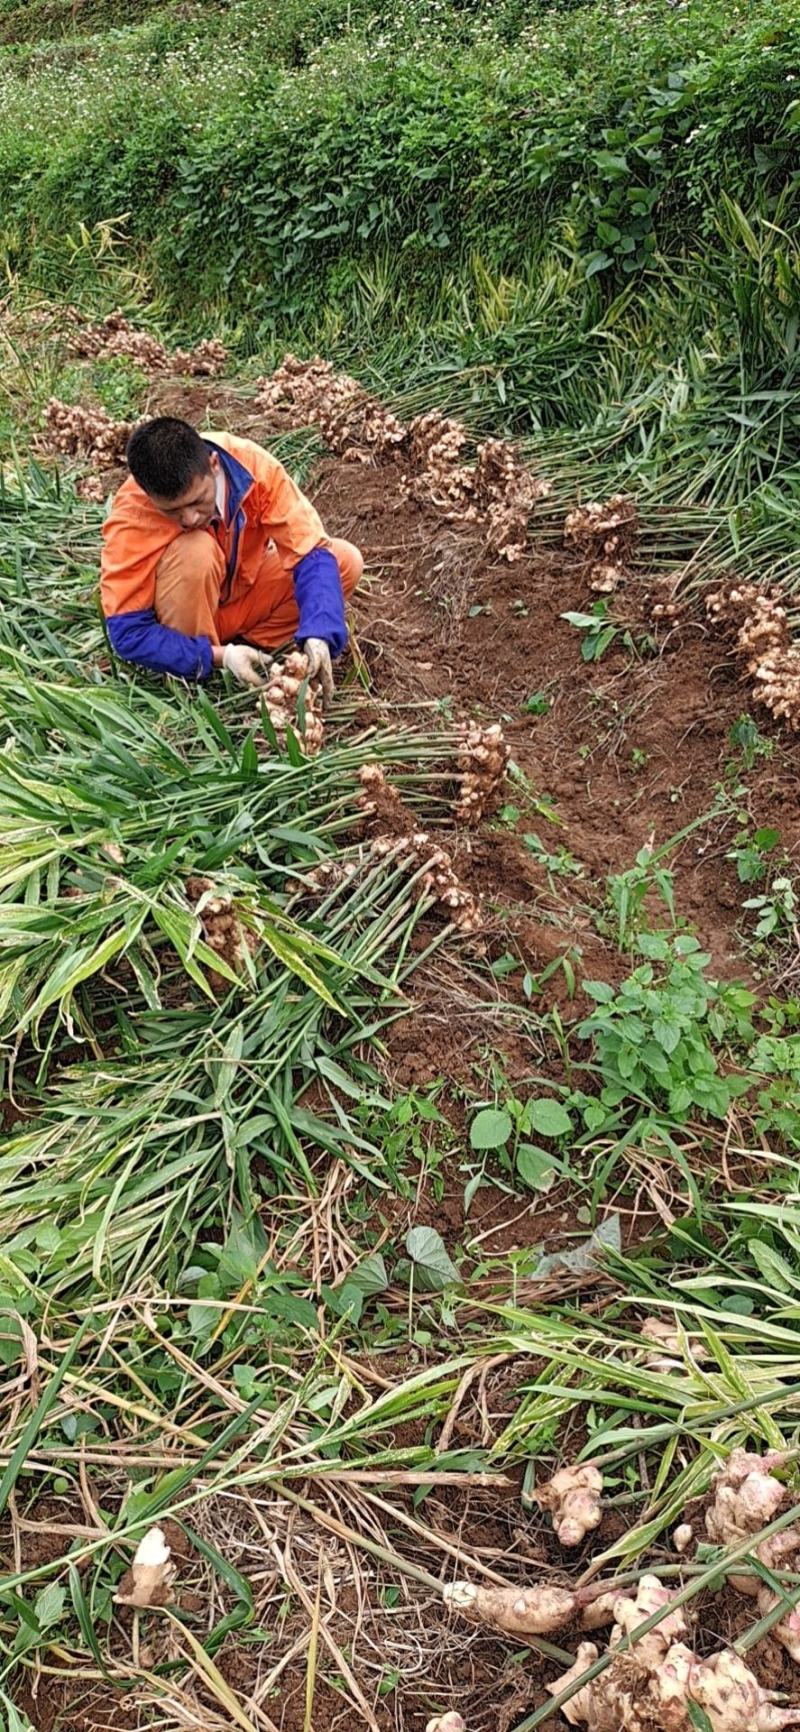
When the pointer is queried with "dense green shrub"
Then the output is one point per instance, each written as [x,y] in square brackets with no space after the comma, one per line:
[268,166]
[579,220]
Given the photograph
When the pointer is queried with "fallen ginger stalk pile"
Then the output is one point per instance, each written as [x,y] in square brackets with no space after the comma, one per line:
[497,490]
[414,848]
[115,336]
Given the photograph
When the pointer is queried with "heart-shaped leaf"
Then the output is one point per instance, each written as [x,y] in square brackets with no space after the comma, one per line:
[433,1268]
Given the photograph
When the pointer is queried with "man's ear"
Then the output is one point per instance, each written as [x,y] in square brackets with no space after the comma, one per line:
[215,462]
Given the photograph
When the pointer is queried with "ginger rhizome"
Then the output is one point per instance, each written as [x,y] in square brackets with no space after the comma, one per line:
[223,931]
[764,641]
[667,1346]
[149,1580]
[573,1498]
[535,1611]
[652,1685]
[747,1497]
[538,1610]
[604,534]
[280,696]
[482,760]
[495,489]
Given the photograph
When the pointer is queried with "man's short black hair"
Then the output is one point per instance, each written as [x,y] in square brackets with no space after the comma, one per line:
[166,455]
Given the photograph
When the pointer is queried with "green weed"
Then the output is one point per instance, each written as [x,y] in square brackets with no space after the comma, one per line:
[655,1037]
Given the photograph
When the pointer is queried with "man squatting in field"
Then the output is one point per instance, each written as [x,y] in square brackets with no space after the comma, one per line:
[211,554]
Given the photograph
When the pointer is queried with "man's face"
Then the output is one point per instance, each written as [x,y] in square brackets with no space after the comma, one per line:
[195,508]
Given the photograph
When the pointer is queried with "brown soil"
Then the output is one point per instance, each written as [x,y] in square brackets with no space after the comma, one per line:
[632,748]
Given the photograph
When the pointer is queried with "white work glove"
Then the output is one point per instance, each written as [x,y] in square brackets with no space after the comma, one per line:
[247,665]
[319,664]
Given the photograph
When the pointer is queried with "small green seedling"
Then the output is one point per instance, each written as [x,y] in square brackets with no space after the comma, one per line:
[745,737]
[505,1131]
[777,910]
[598,631]
[750,853]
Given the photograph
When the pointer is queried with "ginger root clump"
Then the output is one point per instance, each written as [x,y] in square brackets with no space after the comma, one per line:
[91,488]
[114,335]
[746,1498]
[632,1697]
[670,1344]
[352,423]
[88,433]
[604,533]
[649,1687]
[764,641]
[440,878]
[482,761]
[223,931]
[573,1498]
[497,490]
[283,684]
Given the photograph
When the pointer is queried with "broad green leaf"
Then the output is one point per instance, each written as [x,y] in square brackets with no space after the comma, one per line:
[490,1129]
[433,1269]
[369,1275]
[773,1266]
[49,1605]
[15,1721]
[535,1167]
[599,990]
[241,1256]
[549,1118]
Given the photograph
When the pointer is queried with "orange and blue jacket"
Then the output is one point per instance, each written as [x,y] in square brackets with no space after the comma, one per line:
[262,504]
